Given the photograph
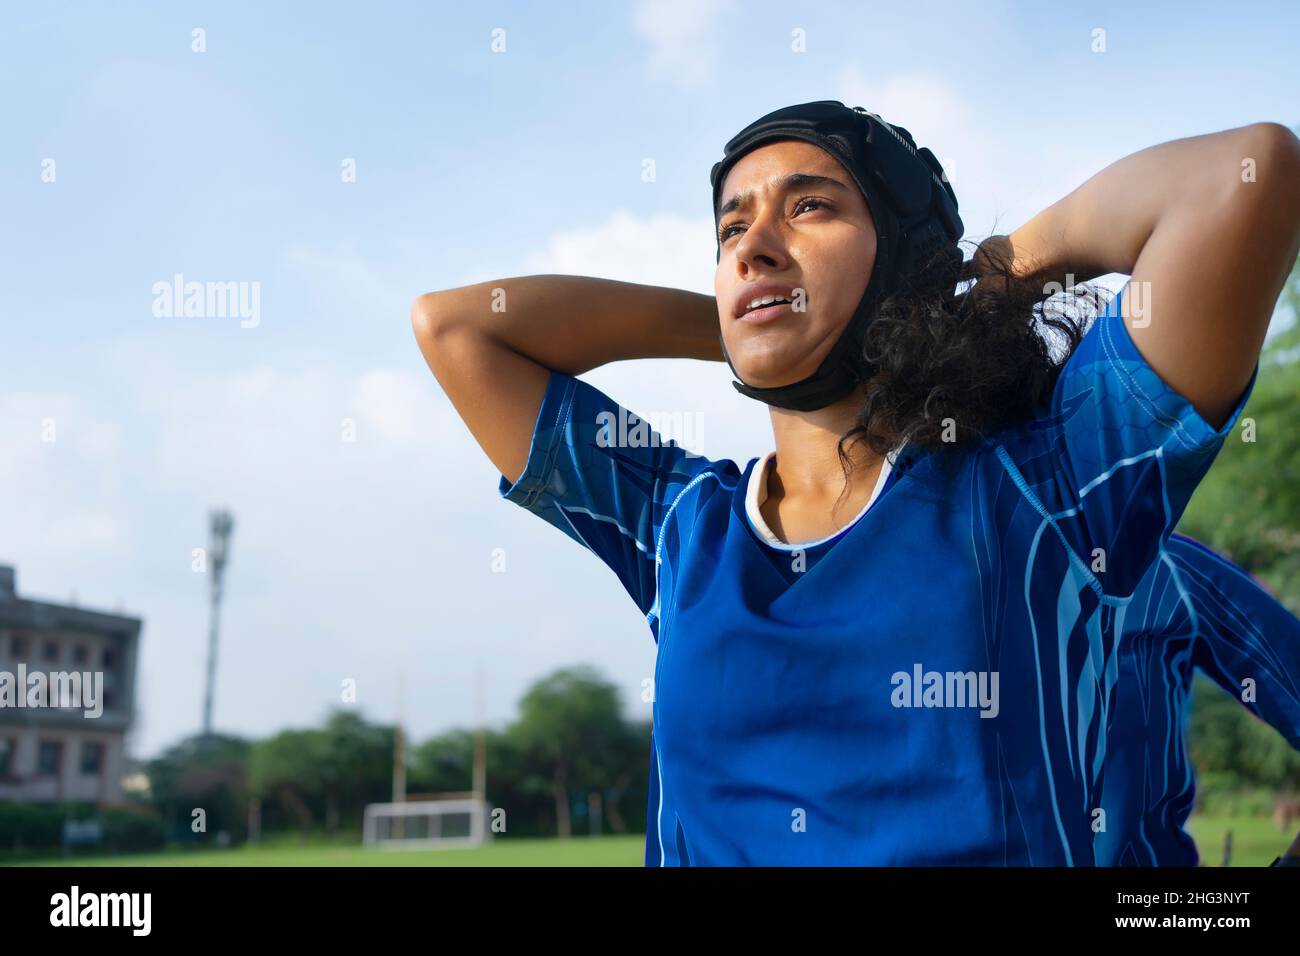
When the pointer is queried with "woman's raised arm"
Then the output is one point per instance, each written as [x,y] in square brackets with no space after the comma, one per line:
[1208,228]
[493,345]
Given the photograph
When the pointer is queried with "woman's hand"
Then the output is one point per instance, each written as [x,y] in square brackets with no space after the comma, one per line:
[1207,227]
[492,346]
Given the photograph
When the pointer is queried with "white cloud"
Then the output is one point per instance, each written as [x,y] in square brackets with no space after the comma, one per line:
[938,117]
[82,531]
[99,440]
[683,38]
[403,409]
[24,418]
[290,427]
[1003,173]
[58,455]
[924,104]
[663,250]
[341,272]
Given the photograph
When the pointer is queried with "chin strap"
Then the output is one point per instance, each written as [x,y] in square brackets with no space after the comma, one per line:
[840,373]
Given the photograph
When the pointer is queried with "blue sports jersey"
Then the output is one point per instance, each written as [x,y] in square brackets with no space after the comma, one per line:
[933,686]
[1195,610]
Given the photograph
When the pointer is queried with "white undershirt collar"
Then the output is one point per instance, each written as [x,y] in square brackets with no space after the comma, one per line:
[756,494]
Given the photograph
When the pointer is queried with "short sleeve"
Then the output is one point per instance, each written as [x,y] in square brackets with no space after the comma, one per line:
[604,477]
[1127,451]
[1243,634]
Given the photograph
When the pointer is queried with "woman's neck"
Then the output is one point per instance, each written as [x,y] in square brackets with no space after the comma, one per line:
[806,488]
[806,442]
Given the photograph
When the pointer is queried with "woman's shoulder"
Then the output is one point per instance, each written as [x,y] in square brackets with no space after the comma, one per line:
[692,469]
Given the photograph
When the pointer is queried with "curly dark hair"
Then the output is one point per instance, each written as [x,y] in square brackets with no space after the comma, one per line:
[944,369]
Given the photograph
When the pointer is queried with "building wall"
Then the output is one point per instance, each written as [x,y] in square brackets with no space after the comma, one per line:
[81,651]
[25,783]
[53,638]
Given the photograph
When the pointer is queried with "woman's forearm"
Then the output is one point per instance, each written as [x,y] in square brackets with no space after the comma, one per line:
[1102,225]
[574,323]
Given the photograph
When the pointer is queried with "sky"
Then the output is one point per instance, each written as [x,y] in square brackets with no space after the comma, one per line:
[339,159]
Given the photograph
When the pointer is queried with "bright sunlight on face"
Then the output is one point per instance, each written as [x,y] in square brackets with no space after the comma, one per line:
[810,232]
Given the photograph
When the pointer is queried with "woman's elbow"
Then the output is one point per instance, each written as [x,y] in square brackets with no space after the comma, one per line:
[427,315]
[1272,155]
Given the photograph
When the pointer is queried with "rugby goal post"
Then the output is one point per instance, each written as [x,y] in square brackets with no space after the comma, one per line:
[427,824]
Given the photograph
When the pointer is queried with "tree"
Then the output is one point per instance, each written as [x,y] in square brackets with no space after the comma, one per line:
[357,767]
[1229,742]
[201,773]
[571,725]
[327,774]
[284,771]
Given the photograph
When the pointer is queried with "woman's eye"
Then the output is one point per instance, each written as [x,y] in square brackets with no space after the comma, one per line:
[808,203]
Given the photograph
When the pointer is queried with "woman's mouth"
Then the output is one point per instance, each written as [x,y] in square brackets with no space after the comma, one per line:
[766,313]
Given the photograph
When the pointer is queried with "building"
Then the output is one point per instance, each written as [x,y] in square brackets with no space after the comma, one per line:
[49,754]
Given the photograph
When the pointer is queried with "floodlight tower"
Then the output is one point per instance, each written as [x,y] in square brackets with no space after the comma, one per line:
[221,525]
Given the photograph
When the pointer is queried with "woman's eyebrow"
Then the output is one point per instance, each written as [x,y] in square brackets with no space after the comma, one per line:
[786,183]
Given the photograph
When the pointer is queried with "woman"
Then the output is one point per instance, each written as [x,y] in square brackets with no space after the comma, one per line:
[1194,611]
[892,639]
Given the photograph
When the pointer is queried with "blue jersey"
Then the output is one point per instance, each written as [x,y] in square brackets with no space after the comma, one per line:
[931,687]
[1195,610]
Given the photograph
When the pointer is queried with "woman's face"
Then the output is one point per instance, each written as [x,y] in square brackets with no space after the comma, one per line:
[801,225]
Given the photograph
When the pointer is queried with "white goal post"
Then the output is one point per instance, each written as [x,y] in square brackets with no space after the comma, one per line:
[426,824]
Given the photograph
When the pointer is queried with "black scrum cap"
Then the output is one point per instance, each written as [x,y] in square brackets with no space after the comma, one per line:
[913,205]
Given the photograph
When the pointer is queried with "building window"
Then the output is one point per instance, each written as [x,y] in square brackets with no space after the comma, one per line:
[19,647]
[108,657]
[48,758]
[6,757]
[52,652]
[92,758]
[80,654]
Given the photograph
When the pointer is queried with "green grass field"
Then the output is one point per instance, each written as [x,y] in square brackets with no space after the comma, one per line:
[1255,842]
[579,851]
